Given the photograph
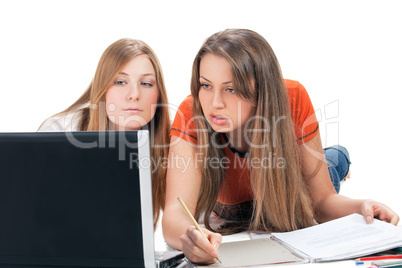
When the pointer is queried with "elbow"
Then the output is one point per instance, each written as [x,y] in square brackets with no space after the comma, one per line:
[169,233]
[326,208]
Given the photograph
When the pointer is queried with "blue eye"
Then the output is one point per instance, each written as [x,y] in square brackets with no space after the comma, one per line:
[146,84]
[119,82]
[205,86]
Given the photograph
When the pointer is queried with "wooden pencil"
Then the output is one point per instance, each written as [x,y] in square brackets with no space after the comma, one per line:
[190,216]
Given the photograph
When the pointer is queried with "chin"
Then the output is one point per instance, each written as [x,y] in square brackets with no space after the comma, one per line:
[221,129]
[133,128]
[134,123]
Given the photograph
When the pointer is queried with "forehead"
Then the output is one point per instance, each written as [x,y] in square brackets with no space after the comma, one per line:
[215,67]
[140,65]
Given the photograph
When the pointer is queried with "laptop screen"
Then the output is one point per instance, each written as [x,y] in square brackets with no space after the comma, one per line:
[76,199]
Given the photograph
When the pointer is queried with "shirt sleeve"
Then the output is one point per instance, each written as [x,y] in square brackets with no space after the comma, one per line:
[52,124]
[183,124]
[61,123]
[303,114]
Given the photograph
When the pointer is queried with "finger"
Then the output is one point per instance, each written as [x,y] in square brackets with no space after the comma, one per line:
[395,219]
[389,215]
[193,252]
[385,213]
[368,212]
[203,243]
[214,238]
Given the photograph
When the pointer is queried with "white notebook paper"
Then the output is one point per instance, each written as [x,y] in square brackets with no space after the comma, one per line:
[345,238]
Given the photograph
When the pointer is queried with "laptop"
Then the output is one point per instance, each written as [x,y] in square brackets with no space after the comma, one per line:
[76,199]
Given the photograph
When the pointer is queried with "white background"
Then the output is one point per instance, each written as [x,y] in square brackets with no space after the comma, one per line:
[348,55]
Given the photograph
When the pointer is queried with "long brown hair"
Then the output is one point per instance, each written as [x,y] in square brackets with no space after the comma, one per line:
[281,199]
[93,111]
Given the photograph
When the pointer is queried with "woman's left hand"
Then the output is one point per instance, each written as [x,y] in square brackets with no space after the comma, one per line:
[372,209]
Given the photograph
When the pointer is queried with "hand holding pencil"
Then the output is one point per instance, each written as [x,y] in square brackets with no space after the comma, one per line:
[191,240]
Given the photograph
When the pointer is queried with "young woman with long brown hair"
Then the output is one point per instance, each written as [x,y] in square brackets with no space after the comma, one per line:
[127,92]
[245,146]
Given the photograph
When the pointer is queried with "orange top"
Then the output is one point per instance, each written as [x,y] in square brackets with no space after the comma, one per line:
[235,196]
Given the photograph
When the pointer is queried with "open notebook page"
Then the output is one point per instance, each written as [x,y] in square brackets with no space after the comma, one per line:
[343,238]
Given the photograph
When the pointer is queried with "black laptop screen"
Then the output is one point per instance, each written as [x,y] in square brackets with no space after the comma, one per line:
[61,204]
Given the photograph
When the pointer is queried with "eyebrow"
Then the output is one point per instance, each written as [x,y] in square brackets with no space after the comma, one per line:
[146,74]
[228,82]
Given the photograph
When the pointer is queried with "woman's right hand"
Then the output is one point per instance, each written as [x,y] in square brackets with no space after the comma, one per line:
[197,249]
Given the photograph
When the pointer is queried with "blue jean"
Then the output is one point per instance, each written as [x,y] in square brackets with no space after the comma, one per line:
[338,163]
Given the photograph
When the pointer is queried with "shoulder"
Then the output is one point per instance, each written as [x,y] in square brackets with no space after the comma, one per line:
[187,104]
[297,94]
[295,88]
[302,111]
[185,109]
[62,122]
[183,124]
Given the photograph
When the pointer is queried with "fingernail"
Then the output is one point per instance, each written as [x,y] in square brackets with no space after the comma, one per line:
[214,253]
[369,219]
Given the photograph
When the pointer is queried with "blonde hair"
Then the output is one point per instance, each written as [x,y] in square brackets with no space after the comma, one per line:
[281,199]
[94,118]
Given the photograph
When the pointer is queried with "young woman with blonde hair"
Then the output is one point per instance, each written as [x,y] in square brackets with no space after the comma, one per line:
[252,151]
[127,92]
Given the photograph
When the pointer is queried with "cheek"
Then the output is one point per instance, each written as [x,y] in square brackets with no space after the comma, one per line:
[155,96]
[246,112]
[152,100]
[203,99]
[110,101]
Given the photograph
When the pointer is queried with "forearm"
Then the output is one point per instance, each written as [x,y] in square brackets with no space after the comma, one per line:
[174,225]
[335,206]
[181,181]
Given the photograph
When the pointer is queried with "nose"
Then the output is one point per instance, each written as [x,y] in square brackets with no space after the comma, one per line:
[217,101]
[133,93]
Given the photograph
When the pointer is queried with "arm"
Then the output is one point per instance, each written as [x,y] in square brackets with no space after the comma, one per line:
[184,181]
[326,202]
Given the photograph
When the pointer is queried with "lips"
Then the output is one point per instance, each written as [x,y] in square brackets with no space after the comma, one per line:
[132,110]
[218,119]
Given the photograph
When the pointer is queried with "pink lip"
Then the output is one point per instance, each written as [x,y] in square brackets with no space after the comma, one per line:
[132,110]
[218,119]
